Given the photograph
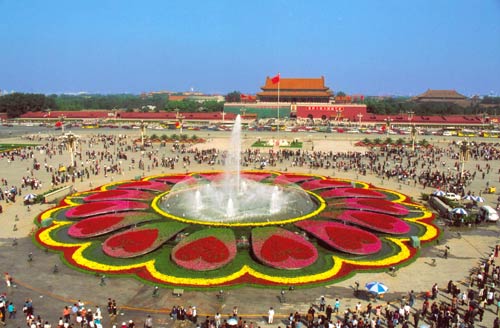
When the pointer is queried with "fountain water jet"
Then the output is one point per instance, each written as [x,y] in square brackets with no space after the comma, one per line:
[232,198]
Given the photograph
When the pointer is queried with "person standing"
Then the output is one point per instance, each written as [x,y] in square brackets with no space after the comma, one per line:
[11,308]
[8,279]
[336,307]
[149,322]
[270,315]
[322,303]
[328,312]
[416,318]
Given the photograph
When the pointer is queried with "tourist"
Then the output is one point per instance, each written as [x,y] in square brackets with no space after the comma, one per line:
[270,315]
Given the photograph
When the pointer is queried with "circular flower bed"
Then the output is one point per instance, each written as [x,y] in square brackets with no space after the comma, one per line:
[119,229]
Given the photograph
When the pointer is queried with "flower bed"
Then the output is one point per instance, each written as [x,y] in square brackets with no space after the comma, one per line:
[139,241]
[280,248]
[375,221]
[135,238]
[327,183]
[145,185]
[376,205]
[119,195]
[173,179]
[103,224]
[342,237]
[292,178]
[352,192]
[205,250]
[90,209]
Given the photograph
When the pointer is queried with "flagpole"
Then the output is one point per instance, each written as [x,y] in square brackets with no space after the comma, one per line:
[278,123]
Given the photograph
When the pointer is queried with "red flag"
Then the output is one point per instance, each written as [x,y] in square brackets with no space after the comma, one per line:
[276,79]
[177,125]
[58,124]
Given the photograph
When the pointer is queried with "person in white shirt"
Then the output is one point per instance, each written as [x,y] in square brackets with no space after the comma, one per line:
[270,317]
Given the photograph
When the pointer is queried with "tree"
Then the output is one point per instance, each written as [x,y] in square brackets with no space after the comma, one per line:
[340,94]
[234,96]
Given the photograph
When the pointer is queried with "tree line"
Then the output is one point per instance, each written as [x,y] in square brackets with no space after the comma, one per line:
[16,104]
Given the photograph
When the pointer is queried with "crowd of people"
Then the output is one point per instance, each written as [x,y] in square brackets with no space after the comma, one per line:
[437,167]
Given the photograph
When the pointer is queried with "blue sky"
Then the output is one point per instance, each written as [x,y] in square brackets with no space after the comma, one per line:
[371,47]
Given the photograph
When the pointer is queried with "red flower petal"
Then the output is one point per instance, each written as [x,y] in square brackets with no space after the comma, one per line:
[375,221]
[282,249]
[208,249]
[207,252]
[130,243]
[327,183]
[352,192]
[174,178]
[255,176]
[90,209]
[145,185]
[116,194]
[343,237]
[291,178]
[376,205]
[103,224]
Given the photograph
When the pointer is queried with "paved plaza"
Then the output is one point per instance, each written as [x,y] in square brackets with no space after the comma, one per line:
[51,291]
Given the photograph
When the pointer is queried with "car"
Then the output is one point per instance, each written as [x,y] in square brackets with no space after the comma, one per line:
[452,196]
[488,213]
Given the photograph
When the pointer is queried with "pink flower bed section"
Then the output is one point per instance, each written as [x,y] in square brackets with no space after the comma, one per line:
[130,243]
[375,221]
[327,183]
[376,205]
[255,176]
[343,237]
[291,178]
[173,179]
[352,192]
[116,194]
[144,185]
[202,252]
[103,224]
[280,248]
[91,209]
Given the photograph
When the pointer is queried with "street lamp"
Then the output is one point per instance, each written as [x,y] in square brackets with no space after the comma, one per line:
[464,155]
[70,141]
[413,131]
[359,117]
[388,121]
[143,130]
[61,119]
[179,117]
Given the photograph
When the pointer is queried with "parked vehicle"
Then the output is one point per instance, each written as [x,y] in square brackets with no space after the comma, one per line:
[437,204]
[452,196]
[487,213]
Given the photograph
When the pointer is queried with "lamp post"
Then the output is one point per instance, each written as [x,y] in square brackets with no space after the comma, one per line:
[359,117]
[388,121]
[179,117]
[413,131]
[61,119]
[143,130]
[70,140]
[464,155]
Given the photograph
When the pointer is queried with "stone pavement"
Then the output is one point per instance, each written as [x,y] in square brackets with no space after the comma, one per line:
[52,291]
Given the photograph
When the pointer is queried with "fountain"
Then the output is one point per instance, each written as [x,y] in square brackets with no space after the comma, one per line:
[231,198]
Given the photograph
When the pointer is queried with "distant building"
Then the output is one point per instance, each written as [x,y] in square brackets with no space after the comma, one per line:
[443,96]
[298,98]
[295,90]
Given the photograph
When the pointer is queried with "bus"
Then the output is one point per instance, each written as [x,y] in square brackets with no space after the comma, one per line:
[490,133]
